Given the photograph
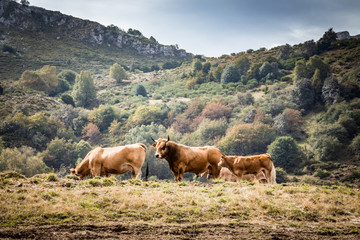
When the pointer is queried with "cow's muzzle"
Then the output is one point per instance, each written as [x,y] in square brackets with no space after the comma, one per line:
[157,155]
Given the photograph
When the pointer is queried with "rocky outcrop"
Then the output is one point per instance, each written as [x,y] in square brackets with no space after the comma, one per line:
[35,19]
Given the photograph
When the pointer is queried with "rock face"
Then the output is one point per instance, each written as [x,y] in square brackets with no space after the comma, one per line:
[15,15]
[342,35]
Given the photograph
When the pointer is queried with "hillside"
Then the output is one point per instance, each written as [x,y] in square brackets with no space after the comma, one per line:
[60,99]
[31,37]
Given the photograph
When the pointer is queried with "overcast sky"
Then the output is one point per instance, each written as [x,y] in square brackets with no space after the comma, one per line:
[216,27]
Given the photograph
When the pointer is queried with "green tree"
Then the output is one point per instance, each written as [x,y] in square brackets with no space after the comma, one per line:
[196,66]
[68,75]
[60,152]
[118,73]
[218,72]
[206,67]
[84,92]
[230,74]
[82,148]
[286,153]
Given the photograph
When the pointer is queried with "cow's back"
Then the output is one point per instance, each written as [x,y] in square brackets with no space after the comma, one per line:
[113,158]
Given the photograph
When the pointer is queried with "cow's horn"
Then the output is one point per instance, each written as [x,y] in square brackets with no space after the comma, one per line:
[168,138]
[153,139]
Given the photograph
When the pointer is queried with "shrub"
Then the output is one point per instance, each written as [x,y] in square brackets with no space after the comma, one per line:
[51,177]
[66,98]
[286,153]
[44,79]
[145,115]
[23,160]
[281,175]
[102,116]
[140,90]
[68,75]
[230,74]
[91,132]
[118,72]
[355,146]
[216,110]
[246,139]
[82,148]
[59,152]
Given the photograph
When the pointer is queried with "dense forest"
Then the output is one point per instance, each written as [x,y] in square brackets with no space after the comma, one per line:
[299,103]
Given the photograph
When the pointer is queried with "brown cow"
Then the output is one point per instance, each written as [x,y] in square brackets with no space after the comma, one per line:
[182,159]
[115,160]
[227,175]
[241,166]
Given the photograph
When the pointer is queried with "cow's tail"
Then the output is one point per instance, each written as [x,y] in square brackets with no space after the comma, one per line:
[273,174]
[147,160]
[273,171]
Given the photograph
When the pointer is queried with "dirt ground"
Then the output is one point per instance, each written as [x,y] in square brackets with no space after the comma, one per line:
[180,231]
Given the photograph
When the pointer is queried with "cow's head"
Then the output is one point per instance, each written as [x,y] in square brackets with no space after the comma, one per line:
[73,171]
[162,148]
[222,162]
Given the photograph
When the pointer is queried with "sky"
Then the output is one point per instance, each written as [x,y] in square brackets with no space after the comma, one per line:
[216,27]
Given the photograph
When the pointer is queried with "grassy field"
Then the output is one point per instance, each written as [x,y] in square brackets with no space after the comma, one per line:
[45,206]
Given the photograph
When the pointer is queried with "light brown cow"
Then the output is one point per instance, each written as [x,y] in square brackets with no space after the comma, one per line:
[182,159]
[115,160]
[227,175]
[241,166]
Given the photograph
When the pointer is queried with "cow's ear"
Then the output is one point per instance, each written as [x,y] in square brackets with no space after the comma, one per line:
[154,144]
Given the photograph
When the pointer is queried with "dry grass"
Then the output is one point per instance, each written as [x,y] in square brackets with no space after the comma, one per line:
[27,202]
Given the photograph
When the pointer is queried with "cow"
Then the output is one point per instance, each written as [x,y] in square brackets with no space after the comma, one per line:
[227,175]
[182,159]
[241,166]
[114,160]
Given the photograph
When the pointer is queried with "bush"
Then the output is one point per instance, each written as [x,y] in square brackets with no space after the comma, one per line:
[246,139]
[44,79]
[51,177]
[23,160]
[66,98]
[286,153]
[145,115]
[140,90]
[230,74]
[303,94]
[281,175]
[102,116]
[355,146]
[118,72]
[216,110]
[59,152]
[68,75]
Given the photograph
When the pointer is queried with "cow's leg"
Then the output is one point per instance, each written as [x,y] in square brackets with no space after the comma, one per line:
[267,175]
[96,169]
[214,170]
[136,173]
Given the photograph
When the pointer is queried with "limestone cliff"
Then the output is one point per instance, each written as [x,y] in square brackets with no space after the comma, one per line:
[30,18]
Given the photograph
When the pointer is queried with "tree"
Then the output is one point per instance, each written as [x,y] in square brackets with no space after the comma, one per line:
[230,74]
[303,94]
[327,39]
[286,153]
[140,90]
[84,92]
[218,72]
[284,52]
[118,73]
[243,64]
[331,91]
[66,98]
[206,67]
[289,122]
[60,152]
[307,49]
[196,66]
